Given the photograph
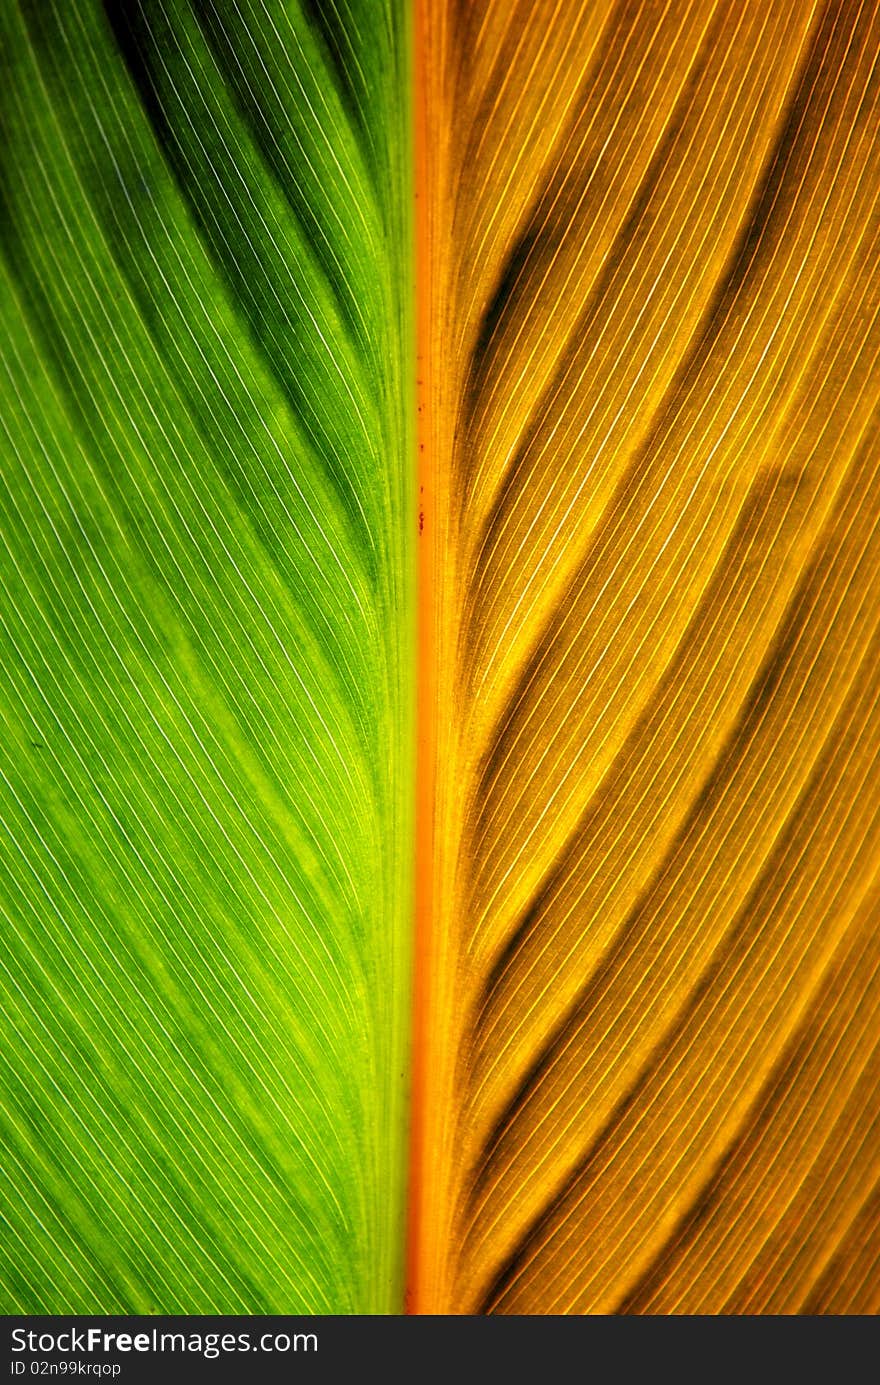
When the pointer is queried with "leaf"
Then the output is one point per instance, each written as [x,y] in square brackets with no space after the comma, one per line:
[647,1057]
[205,550]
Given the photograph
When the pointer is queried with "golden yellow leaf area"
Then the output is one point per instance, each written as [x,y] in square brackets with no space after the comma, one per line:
[647,1059]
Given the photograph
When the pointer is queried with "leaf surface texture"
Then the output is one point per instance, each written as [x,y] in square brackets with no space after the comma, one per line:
[647,1059]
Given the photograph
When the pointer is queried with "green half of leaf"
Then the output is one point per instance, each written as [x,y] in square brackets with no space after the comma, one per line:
[207,648]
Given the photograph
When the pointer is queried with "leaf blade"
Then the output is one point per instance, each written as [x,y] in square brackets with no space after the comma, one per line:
[655,233]
[205,498]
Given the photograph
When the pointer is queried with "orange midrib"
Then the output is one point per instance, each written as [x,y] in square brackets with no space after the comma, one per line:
[426,691]
[435,1038]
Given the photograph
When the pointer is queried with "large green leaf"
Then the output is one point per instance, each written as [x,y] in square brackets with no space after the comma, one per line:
[205,554]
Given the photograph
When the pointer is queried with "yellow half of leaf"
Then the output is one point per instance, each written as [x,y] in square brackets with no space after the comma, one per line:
[647,1059]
